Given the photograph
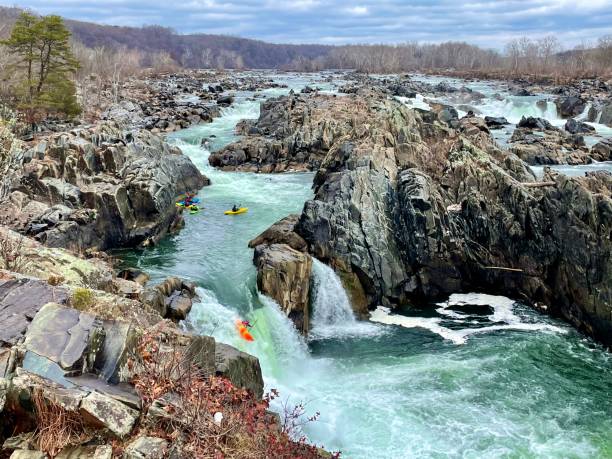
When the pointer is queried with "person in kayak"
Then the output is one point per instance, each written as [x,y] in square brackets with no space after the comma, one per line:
[246,323]
[188,199]
[235,208]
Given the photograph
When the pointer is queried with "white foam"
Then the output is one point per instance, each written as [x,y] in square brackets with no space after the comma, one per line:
[502,318]
[383,315]
[417,102]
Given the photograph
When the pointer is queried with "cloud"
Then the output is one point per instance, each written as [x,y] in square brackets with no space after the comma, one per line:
[488,23]
[358,10]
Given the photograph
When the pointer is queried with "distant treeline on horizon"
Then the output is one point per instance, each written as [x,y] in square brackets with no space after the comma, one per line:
[161,47]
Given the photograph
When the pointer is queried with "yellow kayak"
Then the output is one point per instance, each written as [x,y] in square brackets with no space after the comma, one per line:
[239,211]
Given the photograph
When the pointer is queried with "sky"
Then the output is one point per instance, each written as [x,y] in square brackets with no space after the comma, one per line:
[488,23]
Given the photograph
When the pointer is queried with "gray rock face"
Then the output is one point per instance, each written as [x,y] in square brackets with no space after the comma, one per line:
[602,151]
[284,275]
[290,135]
[173,298]
[282,232]
[571,106]
[109,413]
[407,210]
[576,127]
[20,300]
[146,448]
[66,336]
[241,369]
[103,188]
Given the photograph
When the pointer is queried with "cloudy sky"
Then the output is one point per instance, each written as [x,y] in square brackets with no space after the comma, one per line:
[489,23]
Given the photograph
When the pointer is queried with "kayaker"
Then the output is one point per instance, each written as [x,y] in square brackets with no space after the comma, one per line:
[235,208]
[246,323]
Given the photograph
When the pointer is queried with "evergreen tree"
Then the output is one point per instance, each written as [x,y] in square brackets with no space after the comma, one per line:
[45,65]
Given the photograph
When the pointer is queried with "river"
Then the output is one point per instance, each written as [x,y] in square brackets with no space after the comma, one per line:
[480,376]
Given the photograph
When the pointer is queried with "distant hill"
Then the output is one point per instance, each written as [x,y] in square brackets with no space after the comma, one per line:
[192,51]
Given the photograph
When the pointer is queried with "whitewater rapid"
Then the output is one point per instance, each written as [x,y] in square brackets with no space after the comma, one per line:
[474,376]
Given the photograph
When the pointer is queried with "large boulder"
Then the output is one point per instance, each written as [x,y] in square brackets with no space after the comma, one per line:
[104,411]
[284,274]
[282,232]
[577,127]
[240,368]
[20,300]
[569,107]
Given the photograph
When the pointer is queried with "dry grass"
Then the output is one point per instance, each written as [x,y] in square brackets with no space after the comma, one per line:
[12,254]
[186,417]
[57,427]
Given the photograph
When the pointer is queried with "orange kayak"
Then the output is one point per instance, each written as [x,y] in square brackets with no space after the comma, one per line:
[244,331]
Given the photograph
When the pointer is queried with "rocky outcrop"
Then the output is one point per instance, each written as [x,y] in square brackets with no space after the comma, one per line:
[282,232]
[414,209]
[571,106]
[101,188]
[293,132]
[537,142]
[240,368]
[173,298]
[283,274]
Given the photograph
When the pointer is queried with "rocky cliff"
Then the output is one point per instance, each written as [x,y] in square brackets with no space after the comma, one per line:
[100,187]
[411,209]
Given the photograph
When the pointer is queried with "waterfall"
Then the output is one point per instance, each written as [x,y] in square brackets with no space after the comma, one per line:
[331,305]
[332,313]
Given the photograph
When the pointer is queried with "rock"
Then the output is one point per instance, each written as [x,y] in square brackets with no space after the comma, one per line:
[70,338]
[282,232]
[120,339]
[134,275]
[606,114]
[241,369]
[173,298]
[225,100]
[602,151]
[86,452]
[576,127]
[27,454]
[535,123]
[283,274]
[146,448]
[106,412]
[496,122]
[20,301]
[103,187]
[569,107]
[521,92]
[179,306]
[4,384]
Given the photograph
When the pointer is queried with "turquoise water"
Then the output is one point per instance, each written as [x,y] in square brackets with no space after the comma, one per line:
[523,385]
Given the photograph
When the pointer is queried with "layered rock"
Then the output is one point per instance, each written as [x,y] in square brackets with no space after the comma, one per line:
[284,274]
[100,188]
[293,132]
[414,210]
[537,142]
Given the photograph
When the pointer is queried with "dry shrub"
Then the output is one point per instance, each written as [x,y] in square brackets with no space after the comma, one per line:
[12,254]
[248,430]
[57,427]
[82,299]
